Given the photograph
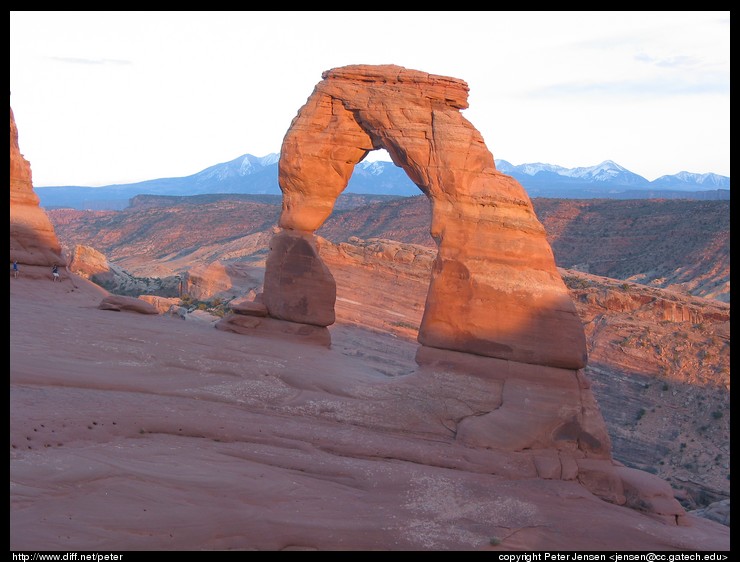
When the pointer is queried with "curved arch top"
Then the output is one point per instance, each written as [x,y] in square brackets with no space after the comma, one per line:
[495,289]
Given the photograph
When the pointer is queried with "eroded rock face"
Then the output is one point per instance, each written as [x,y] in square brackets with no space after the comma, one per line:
[132,304]
[220,280]
[32,237]
[89,263]
[495,290]
[298,286]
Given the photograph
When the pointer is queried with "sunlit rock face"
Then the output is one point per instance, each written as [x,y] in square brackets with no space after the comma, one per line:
[298,285]
[88,262]
[32,237]
[495,290]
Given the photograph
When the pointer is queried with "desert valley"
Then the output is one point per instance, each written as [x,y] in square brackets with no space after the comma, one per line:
[164,396]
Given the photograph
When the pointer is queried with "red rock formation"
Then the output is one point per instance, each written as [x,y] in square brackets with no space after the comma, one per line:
[132,304]
[394,278]
[32,237]
[665,373]
[219,280]
[301,287]
[161,304]
[495,290]
[89,263]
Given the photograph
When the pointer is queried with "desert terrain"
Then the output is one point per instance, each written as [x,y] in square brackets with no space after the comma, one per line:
[659,356]
[282,400]
[146,432]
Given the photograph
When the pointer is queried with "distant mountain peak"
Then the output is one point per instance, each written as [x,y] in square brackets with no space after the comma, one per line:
[611,165]
[270,159]
[375,168]
[256,175]
[688,178]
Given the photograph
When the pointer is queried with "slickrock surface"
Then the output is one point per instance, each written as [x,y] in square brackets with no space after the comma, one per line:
[131,431]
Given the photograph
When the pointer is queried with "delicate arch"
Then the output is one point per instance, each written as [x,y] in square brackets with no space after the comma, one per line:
[495,289]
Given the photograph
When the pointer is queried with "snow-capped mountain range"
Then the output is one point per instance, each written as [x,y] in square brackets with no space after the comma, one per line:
[258,175]
[609,172]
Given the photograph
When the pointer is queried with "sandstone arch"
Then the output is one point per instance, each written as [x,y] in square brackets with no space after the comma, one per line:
[495,290]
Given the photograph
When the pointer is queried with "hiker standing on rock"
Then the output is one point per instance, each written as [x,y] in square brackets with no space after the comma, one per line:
[15,269]
[55,273]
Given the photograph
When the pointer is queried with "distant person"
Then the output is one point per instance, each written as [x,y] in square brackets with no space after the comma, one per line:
[55,273]
[15,269]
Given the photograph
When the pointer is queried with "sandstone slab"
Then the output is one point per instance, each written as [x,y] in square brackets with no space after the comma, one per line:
[132,304]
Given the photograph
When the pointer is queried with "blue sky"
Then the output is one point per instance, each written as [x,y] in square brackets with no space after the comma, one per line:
[119,97]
